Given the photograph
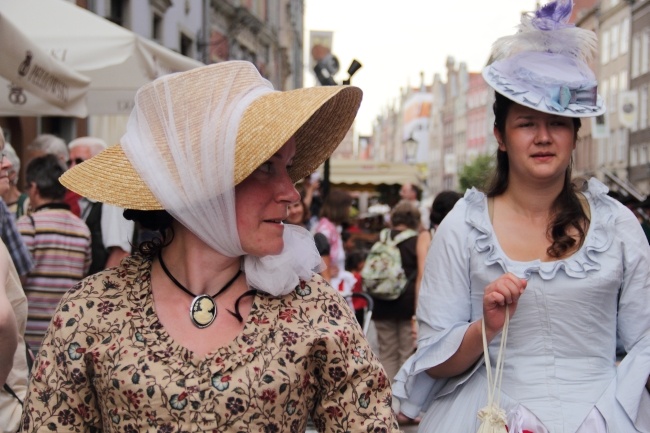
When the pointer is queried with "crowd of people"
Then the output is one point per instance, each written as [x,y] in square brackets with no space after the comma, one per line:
[46,244]
[196,277]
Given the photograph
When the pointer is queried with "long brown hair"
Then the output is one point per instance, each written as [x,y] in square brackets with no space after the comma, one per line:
[567,209]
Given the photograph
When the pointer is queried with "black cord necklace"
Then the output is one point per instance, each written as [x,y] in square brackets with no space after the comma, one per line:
[203,309]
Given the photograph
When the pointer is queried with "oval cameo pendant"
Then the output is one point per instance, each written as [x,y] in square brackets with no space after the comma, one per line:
[203,311]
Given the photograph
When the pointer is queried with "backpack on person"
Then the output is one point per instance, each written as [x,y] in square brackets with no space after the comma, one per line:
[383,275]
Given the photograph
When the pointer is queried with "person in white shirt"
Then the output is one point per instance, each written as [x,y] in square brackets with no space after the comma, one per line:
[112,234]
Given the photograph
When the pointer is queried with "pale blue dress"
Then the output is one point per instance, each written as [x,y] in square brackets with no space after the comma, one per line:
[560,355]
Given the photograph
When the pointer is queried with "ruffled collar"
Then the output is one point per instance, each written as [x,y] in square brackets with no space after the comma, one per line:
[599,237]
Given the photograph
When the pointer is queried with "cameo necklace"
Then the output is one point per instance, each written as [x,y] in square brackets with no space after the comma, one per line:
[203,309]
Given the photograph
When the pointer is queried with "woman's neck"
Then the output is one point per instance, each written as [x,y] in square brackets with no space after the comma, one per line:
[197,266]
[532,200]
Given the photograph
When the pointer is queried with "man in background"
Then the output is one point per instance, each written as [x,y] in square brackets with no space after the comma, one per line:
[112,235]
[48,144]
[59,242]
[412,194]
[19,254]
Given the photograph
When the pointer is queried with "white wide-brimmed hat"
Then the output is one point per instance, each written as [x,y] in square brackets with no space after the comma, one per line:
[544,65]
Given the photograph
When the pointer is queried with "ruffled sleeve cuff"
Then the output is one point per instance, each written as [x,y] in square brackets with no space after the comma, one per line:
[632,377]
[414,388]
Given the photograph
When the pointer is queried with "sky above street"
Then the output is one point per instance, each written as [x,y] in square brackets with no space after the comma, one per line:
[396,41]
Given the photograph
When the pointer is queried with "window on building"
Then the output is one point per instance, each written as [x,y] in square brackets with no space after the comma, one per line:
[604,90]
[625,36]
[611,146]
[643,154]
[622,81]
[645,46]
[643,107]
[604,47]
[601,151]
[156,28]
[634,156]
[636,55]
[614,41]
[186,45]
[621,145]
[613,94]
[117,12]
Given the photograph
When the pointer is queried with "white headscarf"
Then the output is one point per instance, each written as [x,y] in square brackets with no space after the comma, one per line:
[181,141]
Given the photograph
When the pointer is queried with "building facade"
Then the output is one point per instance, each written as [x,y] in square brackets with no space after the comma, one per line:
[269,33]
[614,147]
[639,143]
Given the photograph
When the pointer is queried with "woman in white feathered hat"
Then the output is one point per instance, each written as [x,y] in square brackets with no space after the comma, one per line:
[540,269]
[220,324]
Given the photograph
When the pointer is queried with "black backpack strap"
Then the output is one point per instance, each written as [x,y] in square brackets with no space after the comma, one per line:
[29,356]
[99,253]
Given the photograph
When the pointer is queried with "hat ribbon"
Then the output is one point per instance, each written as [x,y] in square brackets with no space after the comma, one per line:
[562,96]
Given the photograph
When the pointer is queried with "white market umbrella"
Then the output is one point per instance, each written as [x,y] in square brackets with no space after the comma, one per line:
[117,61]
[35,83]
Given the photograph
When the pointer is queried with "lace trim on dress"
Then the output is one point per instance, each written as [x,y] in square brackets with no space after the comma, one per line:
[599,237]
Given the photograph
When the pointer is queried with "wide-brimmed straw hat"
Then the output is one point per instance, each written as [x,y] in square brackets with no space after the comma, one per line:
[318,118]
[545,65]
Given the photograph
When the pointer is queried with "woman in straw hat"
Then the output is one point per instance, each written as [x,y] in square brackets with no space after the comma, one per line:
[563,263]
[221,323]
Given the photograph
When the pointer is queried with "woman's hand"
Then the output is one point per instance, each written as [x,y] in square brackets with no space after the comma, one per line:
[502,293]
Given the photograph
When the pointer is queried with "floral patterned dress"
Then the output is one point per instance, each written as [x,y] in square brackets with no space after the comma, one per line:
[107,364]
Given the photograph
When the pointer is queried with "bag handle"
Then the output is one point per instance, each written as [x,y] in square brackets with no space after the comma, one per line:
[492,416]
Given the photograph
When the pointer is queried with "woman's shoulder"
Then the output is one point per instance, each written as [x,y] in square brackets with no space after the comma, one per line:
[609,217]
[314,304]
[317,288]
[105,301]
[112,282]
[607,214]
[470,212]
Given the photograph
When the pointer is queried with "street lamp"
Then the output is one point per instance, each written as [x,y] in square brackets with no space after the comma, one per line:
[325,70]
[410,149]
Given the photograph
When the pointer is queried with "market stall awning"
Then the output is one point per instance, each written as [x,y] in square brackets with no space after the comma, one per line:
[363,172]
[34,81]
[116,61]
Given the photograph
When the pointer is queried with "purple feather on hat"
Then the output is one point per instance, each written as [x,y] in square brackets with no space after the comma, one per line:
[548,30]
[554,15]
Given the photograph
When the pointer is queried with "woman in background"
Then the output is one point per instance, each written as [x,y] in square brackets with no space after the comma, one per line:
[298,214]
[442,204]
[334,213]
[392,319]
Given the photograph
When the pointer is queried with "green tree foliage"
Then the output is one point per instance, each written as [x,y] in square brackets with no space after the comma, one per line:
[476,173]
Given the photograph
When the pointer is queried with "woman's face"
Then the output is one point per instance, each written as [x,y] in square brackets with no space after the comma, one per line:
[539,145]
[261,202]
[296,213]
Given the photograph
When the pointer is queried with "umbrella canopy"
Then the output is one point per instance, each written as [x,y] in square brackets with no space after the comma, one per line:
[364,172]
[35,81]
[116,61]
